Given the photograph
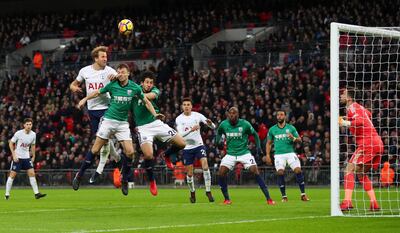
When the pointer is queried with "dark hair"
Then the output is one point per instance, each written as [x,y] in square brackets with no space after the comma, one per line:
[351,92]
[95,51]
[281,110]
[123,65]
[28,120]
[187,99]
[147,74]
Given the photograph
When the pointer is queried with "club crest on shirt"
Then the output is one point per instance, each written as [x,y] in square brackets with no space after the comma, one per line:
[240,129]
[129,92]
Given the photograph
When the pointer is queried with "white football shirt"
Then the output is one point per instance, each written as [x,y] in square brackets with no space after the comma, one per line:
[185,123]
[23,142]
[94,80]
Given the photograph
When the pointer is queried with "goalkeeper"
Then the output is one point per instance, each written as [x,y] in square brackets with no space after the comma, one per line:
[368,152]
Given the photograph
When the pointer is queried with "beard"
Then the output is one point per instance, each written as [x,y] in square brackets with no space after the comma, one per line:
[280,121]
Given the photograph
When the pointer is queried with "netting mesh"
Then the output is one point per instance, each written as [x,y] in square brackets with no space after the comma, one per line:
[369,65]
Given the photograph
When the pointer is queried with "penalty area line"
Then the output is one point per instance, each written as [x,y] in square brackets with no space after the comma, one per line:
[198,224]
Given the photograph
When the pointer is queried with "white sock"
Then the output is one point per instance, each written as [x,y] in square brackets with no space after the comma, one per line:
[33,182]
[9,185]
[113,152]
[207,179]
[190,183]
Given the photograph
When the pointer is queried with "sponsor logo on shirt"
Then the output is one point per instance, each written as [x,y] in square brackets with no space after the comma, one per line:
[95,86]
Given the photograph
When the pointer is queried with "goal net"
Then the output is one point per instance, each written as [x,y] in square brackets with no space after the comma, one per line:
[365,70]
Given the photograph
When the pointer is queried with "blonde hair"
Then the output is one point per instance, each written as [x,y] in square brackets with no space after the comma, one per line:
[95,51]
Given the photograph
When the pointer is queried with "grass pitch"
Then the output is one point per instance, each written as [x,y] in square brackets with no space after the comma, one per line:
[107,210]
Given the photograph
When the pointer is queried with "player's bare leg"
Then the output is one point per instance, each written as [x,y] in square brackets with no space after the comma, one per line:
[147,149]
[223,183]
[178,143]
[98,144]
[190,183]
[207,178]
[253,169]
[129,151]
[300,181]
[32,181]
[9,184]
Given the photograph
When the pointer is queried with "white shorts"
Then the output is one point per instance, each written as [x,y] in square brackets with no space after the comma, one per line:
[109,128]
[156,129]
[290,159]
[230,161]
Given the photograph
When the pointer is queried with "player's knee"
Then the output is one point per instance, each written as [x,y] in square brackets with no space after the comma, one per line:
[95,151]
[281,172]
[253,169]
[297,170]
[13,174]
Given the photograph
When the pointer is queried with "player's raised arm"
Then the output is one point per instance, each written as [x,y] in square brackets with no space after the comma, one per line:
[151,109]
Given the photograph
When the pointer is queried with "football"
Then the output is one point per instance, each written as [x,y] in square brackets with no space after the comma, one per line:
[125,27]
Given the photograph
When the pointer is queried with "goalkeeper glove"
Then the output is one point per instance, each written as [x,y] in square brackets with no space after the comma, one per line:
[343,122]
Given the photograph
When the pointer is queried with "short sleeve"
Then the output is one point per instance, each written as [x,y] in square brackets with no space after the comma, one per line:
[14,139]
[34,139]
[80,77]
[294,132]
[250,128]
[156,91]
[270,135]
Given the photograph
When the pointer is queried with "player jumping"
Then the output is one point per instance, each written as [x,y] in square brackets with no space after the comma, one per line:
[149,127]
[95,76]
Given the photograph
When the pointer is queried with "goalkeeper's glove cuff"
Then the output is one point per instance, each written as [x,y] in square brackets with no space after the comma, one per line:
[343,122]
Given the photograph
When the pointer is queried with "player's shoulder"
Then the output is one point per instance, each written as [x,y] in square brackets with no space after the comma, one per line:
[179,118]
[274,127]
[86,69]
[197,114]
[224,123]
[244,122]
[18,133]
[155,90]
[290,126]
[109,70]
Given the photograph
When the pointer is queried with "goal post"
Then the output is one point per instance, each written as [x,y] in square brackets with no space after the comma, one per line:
[366,59]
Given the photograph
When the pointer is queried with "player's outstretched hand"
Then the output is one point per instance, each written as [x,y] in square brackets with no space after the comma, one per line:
[160,116]
[113,77]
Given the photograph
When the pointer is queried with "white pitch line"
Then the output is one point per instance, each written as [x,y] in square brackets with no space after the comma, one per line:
[198,224]
[96,208]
